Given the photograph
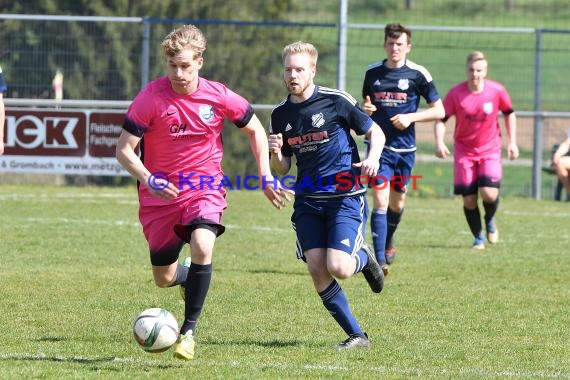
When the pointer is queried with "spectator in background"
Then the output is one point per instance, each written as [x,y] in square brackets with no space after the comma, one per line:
[3,89]
[561,162]
[181,116]
[57,85]
[392,91]
[477,154]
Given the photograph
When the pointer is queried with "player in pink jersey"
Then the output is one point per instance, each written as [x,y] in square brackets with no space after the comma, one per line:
[475,104]
[176,121]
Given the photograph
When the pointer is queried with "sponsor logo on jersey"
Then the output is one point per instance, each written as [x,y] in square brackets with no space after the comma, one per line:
[404,84]
[307,138]
[384,95]
[318,120]
[206,113]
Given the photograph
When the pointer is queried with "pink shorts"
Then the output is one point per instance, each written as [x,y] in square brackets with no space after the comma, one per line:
[472,171]
[160,222]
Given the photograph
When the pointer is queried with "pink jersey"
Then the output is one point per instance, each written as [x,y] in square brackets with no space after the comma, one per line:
[182,133]
[476,116]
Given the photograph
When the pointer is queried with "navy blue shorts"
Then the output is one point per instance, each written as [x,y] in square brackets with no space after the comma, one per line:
[338,223]
[395,168]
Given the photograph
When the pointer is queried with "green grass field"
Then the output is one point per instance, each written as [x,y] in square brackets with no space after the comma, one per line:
[75,273]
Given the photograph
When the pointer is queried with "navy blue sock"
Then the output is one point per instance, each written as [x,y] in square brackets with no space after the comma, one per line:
[490,210]
[378,225]
[336,303]
[393,219]
[197,286]
[473,220]
[181,275]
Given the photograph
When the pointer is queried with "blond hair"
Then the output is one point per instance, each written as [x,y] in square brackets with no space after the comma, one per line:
[301,47]
[184,37]
[475,56]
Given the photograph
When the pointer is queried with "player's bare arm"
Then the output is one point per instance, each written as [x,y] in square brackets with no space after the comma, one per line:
[371,164]
[511,127]
[563,148]
[434,111]
[368,106]
[280,163]
[128,158]
[258,142]
[441,149]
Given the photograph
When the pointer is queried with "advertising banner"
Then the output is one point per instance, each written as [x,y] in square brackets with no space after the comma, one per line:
[77,142]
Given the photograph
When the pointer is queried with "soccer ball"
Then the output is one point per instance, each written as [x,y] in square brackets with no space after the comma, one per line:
[155,330]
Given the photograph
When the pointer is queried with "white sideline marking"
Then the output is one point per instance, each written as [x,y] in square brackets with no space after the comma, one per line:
[259,228]
[67,195]
[136,224]
[77,197]
[81,221]
[311,367]
[522,213]
[453,210]
[131,198]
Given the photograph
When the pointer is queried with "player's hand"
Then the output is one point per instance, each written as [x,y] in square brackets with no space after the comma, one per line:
[368,107]
[401,121]
[368,167]
[275,143]
[441,151]
[277,194]
[513,151]
[163,189]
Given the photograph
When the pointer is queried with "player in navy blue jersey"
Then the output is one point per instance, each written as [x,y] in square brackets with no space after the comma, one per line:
[330,211]
[392,91]
[3,89]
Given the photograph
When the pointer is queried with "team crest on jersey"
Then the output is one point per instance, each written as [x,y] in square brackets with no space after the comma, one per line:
[488,108]
[206,113]
[404,84]
[318,120]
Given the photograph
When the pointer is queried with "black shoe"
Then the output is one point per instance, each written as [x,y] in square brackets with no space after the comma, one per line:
[372,271]
[355,341]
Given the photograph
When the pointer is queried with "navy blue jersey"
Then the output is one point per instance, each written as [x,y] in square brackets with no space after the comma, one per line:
[398,91]
[3,87]
[317,132]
